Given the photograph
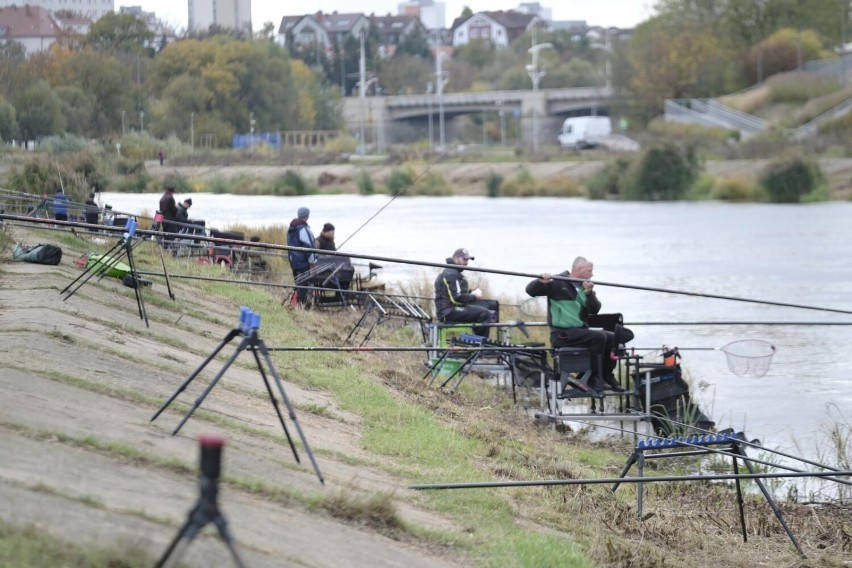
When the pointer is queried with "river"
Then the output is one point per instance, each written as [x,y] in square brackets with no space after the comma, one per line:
[800,254]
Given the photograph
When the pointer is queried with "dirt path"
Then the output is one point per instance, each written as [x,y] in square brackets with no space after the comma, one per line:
[80,458]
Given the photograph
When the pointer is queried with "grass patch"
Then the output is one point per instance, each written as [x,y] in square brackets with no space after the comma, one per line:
[32,546]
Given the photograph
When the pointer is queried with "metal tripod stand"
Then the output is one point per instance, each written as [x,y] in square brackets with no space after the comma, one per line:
[249,325]
[110,260]
[206,510]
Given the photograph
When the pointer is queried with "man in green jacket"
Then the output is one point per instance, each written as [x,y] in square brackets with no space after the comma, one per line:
[569,304]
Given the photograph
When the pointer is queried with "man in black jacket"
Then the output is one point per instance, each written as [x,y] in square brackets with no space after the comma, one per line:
[454,302]
[569,304]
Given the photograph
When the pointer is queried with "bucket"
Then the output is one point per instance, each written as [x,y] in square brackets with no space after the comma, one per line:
[446,368]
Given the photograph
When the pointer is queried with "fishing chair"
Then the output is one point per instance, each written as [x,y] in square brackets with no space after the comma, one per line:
[573,365]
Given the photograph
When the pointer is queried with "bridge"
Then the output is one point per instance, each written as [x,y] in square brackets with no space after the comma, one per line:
[405,118]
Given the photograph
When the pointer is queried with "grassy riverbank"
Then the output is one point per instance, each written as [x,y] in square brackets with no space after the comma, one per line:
[80,461]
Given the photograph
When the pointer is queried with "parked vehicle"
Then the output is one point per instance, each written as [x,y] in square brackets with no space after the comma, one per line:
[580,132]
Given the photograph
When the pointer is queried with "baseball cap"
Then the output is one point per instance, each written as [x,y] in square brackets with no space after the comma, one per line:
[462,253]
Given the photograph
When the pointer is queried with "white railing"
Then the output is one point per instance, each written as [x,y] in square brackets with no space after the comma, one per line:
[811,128]
[710,112]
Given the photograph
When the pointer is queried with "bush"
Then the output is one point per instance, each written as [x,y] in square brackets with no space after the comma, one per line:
[661,174]
[292,183]
[63,143]
[522,185]
[431,183]
[737,188]
[129,167]
[609,181]
[492,183]
[343,144]
[399,180]
[134,184]
[559,186]
[788,179]
[365,183]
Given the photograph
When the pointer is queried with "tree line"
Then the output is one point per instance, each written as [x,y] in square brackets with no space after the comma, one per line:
[120,78]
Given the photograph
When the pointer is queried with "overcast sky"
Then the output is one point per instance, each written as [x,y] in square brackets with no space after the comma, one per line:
[621,13]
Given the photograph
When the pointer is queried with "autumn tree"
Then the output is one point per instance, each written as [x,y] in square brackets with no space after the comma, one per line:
[672,59]
[39,112]
[102,81]
[8,122]
[120,33]
[406,75]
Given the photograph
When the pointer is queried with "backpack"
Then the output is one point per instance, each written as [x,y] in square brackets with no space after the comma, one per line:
[39,254]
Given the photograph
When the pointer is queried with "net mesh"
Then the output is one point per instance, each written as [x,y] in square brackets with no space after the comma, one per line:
[749,357]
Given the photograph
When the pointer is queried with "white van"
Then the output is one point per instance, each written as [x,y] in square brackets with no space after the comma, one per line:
[584,131]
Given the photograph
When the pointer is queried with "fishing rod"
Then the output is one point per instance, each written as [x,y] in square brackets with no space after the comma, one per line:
[488,270]
[710,450]
[453,349]
[752,444]
[290,286]
[609,480]
[428,167]
[767,323]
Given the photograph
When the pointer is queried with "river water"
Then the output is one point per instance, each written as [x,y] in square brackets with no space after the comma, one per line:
[799,254]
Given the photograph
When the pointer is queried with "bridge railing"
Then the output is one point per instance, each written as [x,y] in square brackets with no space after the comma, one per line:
[496,97]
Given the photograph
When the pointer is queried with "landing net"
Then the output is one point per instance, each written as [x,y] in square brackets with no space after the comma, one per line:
[749,357]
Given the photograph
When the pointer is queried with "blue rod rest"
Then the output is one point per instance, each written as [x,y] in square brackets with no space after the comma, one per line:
[690,440]
[249,321]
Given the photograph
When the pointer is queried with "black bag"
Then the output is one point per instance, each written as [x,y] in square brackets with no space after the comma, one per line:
[39,254]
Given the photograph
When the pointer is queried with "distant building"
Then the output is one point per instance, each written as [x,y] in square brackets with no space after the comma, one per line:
[393,29]
[325,30]
[31,26]
[431,13]
[499,28]
[229,14]
[163,33]
[535,9]
[92,9]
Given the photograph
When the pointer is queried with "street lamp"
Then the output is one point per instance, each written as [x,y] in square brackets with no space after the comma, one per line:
[192,132]
[441,83]
[535,76]
[363,88]
[362,72]
[429,104]
[251,131]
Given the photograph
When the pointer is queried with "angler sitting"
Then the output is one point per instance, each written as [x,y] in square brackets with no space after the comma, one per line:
[455,302]
[569,304]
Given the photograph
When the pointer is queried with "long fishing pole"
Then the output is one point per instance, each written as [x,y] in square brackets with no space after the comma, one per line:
[609,480]
[485,270]
[453,349]
[767,323]
[291,286]
[743,442]
[398,193]
[685,443]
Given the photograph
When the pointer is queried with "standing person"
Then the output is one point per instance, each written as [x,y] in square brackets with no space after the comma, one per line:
[569,304]
[326,239]
[299,235]
[92,210]
[454,301]
[161,156]
[168,207]
[60,205]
